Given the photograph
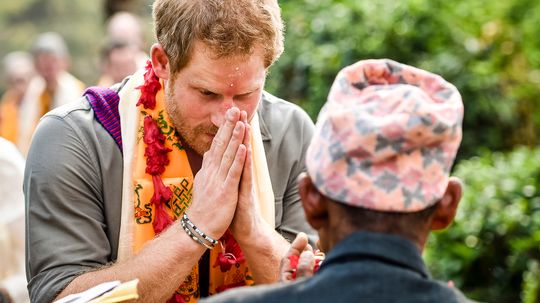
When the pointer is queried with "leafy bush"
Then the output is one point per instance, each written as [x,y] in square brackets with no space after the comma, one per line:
[488,49]
[492,251]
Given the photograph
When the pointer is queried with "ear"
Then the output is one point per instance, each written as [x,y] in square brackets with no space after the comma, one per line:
[160,61]
[447,206]
[315,205]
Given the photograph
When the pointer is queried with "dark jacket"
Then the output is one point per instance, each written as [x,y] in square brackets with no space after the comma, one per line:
[365,267]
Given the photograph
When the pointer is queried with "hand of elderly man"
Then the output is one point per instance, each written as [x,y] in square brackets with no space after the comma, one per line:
[216,185]
[304,260]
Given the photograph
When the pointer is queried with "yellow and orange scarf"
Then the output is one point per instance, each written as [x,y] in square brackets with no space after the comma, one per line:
[158,183]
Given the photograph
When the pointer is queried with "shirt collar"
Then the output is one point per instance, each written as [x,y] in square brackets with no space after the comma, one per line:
[265,132]
[369,245]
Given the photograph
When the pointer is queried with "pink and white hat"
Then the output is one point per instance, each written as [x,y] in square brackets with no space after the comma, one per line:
[386,138]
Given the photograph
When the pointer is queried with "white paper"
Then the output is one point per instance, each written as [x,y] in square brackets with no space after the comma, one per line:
[90,294]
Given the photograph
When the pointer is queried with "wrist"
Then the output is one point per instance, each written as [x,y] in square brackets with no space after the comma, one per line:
[204,224]
[196,233]
[256,233]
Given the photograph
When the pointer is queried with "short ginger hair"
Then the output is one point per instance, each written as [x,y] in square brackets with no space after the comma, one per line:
[227,27]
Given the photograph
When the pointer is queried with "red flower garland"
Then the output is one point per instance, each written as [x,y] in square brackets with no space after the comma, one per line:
[155,151]
[294,264]
[150,88]
[231,255]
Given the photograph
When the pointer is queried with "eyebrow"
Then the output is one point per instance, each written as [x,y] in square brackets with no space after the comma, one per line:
[202,87]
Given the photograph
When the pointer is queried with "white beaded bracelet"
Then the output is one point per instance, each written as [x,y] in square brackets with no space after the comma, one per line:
[196,234]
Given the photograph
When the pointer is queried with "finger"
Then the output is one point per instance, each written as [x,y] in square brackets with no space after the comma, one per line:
[235,171]
[298,245]
[248,166]
[232,148]
[306,262]
[223,136]
[243,116]
[286,270]
[286,276]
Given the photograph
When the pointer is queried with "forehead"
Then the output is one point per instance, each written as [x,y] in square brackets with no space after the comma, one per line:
[204,65]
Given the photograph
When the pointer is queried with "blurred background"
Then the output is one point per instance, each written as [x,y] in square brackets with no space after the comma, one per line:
[489,49]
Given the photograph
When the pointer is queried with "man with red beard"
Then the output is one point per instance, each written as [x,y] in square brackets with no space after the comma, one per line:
[183,176]
[377,183]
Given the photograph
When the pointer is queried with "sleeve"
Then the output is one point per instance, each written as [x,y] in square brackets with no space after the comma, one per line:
[66,231]
[297,139]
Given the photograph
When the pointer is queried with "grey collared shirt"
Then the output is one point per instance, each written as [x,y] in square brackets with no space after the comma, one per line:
[73,185]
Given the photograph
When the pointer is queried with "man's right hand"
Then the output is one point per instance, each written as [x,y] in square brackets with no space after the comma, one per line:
[215,192]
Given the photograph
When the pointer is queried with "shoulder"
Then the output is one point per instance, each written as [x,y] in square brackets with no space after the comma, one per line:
[283,121]
[276,111]
[72,127]
[71,110]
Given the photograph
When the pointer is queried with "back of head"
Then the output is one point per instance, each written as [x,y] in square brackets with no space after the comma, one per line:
[384,144]
[226,27]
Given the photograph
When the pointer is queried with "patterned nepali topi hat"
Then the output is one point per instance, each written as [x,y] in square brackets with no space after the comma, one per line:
[386,138]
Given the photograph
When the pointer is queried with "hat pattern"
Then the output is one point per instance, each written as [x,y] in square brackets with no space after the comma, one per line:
[386,137]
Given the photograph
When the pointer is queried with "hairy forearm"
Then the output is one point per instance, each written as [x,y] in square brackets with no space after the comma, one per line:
[263,253]
[161,266]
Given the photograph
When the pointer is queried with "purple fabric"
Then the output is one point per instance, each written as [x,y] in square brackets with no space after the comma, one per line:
[105,101]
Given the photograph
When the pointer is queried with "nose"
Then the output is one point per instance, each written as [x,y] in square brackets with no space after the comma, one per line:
[218,117]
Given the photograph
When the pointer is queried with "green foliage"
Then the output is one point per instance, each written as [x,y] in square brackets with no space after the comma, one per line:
[488,49]
[492,250]
[531,283]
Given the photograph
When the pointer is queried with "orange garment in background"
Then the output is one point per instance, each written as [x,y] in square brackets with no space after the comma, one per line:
[37,102]
[45,102]
[9,117]
[9,114]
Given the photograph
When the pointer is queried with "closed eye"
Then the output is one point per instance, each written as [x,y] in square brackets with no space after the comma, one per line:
[208,93]
[247,94]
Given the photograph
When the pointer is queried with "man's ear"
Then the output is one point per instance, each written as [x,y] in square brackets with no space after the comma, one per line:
[160,61]
[447,206]
[315,205]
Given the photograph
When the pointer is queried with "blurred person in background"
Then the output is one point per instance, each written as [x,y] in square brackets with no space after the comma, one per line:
[377,183]
[127,27]
[12,271]
[118,60]
[124,51]
[53,86]
[18,70]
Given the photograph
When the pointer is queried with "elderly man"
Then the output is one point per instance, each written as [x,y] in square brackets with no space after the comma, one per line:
[377,182]
[52,87]
[193,137]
